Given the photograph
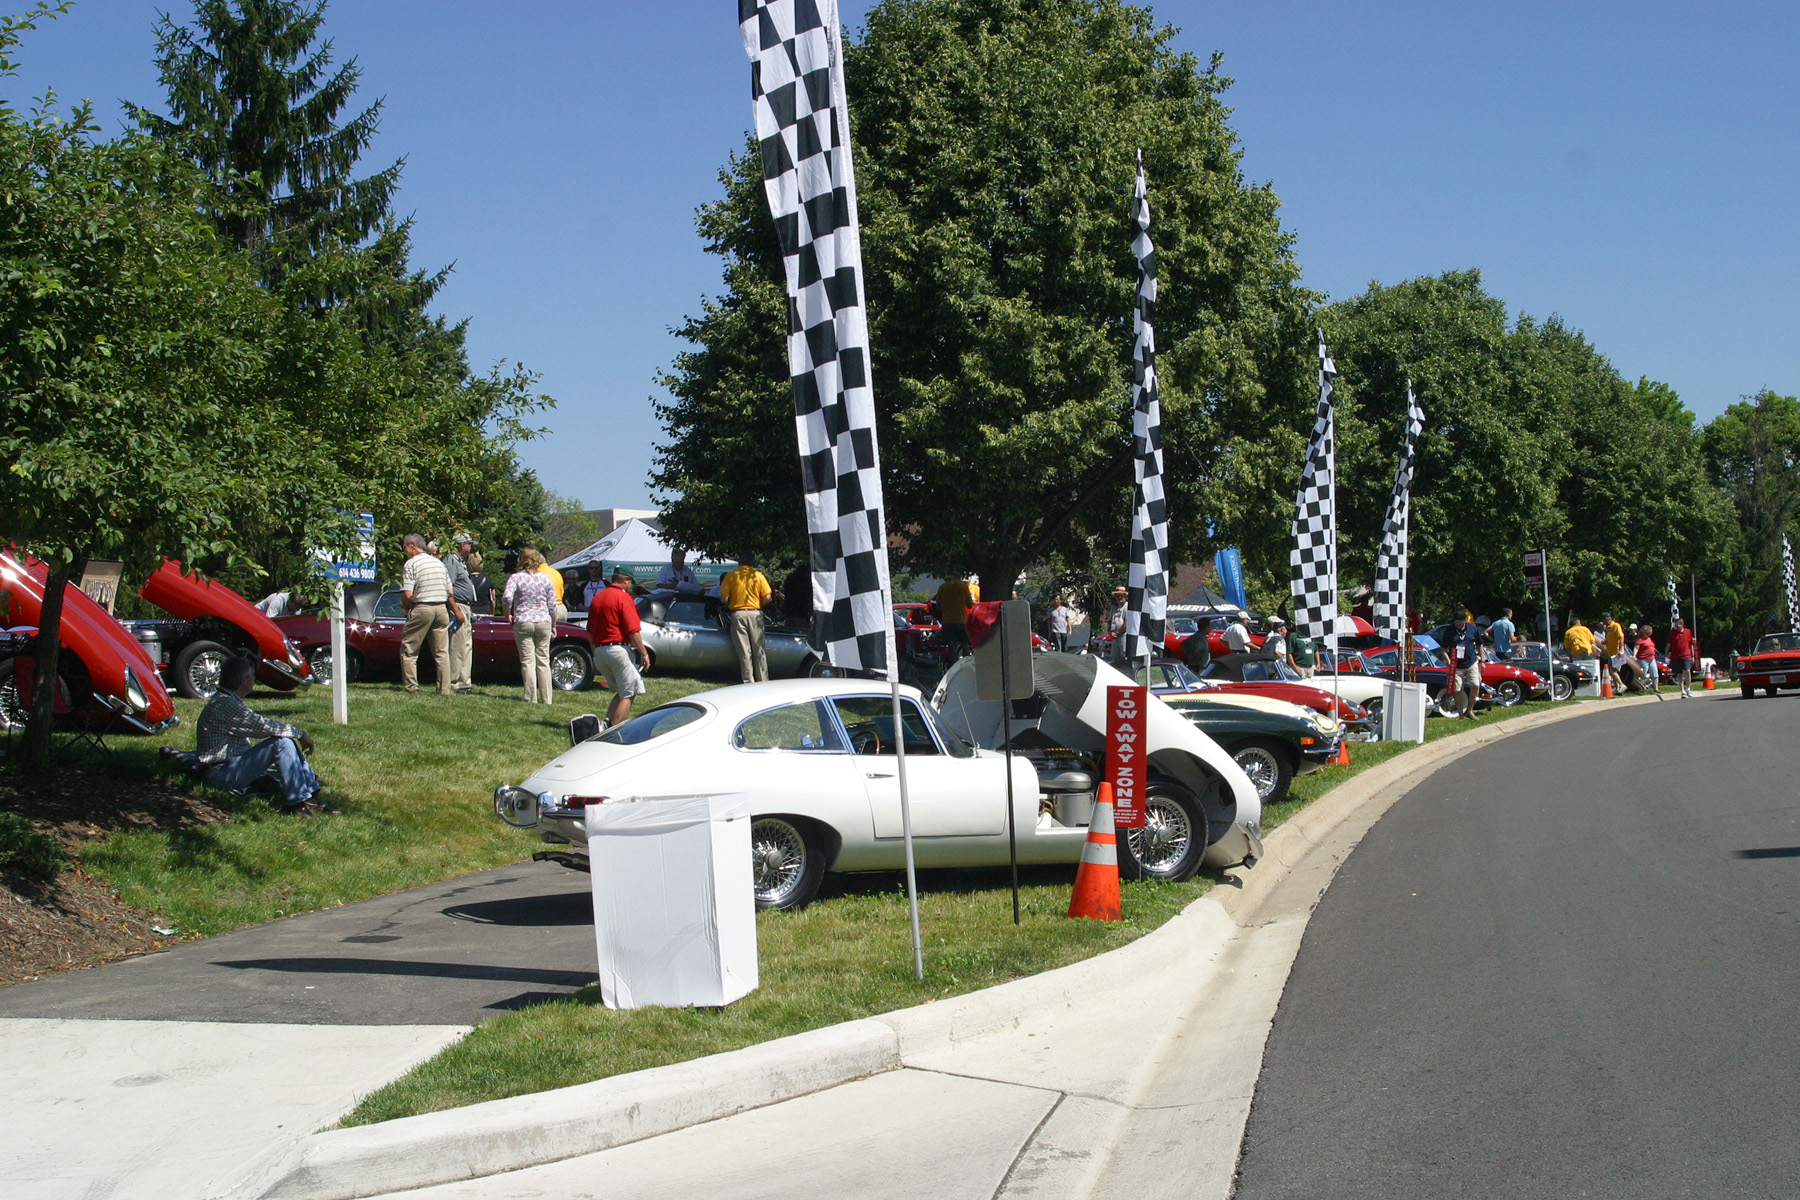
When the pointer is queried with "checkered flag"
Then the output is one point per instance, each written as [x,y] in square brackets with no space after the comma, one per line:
[1148,604]
[1313,558]
[803,125]
[1674,603]
[1390,559]
[1787,577]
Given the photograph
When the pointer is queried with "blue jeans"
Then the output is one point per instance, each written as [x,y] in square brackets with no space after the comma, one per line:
[276,756]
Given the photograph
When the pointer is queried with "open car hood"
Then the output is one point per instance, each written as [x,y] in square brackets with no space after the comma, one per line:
[1074,688]
[191,597]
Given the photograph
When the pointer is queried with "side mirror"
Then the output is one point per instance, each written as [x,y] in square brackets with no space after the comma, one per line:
[584,728]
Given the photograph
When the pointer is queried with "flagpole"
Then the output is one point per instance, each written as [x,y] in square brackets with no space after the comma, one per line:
[810,185]
[906,834]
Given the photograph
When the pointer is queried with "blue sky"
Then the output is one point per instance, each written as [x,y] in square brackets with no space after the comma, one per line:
[1631,167]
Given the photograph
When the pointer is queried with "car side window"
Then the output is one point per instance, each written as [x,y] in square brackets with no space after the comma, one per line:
[869,720]
[389,606]
[1256,672]
[687,612]
[806,726]
[1387,660]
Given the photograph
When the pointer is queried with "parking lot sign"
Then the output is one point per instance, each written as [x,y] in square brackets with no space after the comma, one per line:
[1534,568]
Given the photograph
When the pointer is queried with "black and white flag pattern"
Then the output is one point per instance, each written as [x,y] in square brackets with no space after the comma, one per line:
[1389,601]
[1147,605]
[1674,602]
[1793,589]
[802,123]
[1313,558]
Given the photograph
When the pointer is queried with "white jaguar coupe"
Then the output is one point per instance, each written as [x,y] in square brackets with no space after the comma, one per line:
[816,759]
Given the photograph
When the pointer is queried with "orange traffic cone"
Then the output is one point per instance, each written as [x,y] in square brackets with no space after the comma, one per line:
[1708,685]
[1343,755]
[1606,692]
[1096,894]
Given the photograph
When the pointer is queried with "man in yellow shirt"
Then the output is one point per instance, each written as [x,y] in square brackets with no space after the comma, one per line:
[953,599]
[1579,640]
[745,591]
[556,581]
[1615,646]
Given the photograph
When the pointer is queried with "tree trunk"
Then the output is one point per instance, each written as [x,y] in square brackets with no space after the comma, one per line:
[35,746]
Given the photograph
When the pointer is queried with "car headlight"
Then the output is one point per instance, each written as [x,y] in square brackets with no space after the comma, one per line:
[135,695]
[294,659]
[1325,723]
[519,807]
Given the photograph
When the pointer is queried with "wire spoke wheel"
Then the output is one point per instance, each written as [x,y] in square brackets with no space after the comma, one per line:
[786,867]
[1162,844]
[204,671]
[1260,765]
[12,708]
[1561,688]
[319,662]
[570,668]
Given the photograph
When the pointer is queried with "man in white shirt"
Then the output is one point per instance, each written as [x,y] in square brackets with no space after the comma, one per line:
[425,596]
[677,577]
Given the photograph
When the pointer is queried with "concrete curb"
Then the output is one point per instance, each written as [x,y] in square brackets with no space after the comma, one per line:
[507,1135]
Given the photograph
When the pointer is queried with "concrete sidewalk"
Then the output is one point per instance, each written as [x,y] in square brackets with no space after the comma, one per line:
[141,1110]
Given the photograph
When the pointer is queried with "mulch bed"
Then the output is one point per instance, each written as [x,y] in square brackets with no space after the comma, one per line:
[78,920]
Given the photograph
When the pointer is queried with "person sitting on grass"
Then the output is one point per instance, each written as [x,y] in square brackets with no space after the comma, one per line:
[231,760]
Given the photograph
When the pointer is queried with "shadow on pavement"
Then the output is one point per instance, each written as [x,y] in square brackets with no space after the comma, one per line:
[565,908]
[437,970]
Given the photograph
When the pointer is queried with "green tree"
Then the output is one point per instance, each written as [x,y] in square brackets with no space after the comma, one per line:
[1532,439]
[995,146]
[257,106]
[148,379]
[254,102]
[1753,452]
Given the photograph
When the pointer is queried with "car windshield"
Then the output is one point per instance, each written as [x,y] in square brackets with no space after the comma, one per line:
[653,724]
[1778,641]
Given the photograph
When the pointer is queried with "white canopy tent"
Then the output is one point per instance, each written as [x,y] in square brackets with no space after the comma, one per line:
[639,548]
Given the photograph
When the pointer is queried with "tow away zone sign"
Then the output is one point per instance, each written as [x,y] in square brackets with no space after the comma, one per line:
[1125,753]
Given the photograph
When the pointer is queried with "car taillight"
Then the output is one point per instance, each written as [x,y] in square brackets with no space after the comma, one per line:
[573,802]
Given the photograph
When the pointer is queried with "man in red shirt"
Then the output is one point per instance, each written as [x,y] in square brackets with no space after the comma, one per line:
[612,627]
[1681,657]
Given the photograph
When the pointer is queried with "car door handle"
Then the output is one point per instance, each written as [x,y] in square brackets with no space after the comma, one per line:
[879,774]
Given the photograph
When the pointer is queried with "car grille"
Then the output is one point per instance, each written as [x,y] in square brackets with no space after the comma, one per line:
[1790,663]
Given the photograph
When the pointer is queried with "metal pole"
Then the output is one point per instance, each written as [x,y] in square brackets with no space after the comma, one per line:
[1549,645]
[912,884]
[340,663]
[1012,836]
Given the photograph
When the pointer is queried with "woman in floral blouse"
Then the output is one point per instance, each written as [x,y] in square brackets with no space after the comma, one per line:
[530,600]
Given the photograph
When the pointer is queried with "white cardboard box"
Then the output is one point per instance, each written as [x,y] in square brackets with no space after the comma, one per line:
[1403,707]
[674,901]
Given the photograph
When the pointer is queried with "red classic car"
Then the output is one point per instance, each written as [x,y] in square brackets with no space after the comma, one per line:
[1176,677]
[374,620]
[1773,665]
[213,623]
[105,679]
[1433,671]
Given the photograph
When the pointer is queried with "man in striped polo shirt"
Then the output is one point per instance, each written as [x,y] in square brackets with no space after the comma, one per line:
[425,595]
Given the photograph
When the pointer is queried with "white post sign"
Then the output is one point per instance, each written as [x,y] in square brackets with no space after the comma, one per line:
[357,570]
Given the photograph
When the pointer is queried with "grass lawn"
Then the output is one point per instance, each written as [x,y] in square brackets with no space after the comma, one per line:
[413,774]
[846,956]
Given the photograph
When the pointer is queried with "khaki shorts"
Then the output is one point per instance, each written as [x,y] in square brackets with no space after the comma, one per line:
[615,662]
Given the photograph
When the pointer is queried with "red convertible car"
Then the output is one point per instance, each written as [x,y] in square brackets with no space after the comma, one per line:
[105,680]
[1773,665]
[374,620]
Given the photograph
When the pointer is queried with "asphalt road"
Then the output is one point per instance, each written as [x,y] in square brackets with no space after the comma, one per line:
[451,953]
[1562,966]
